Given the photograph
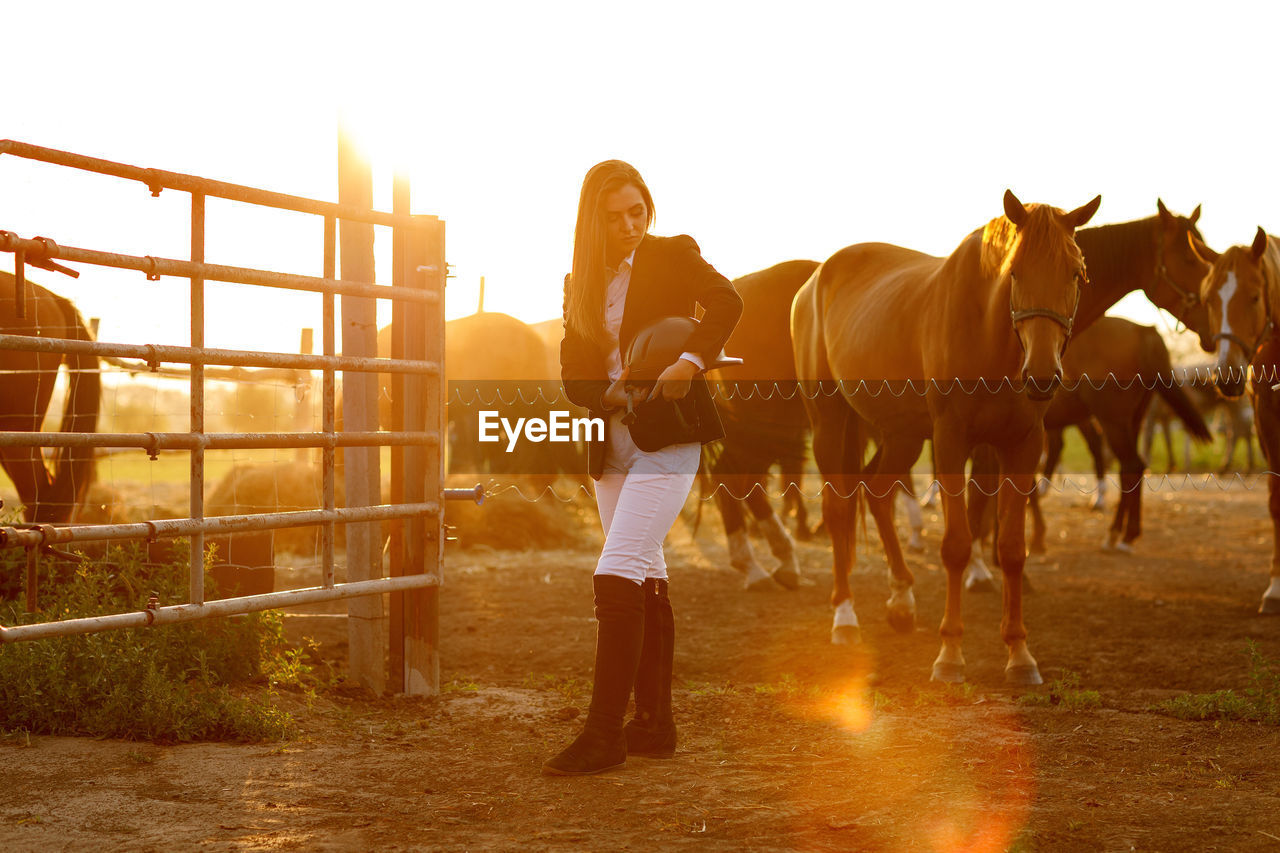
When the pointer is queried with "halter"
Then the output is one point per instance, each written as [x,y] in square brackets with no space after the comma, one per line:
[1262,335]
[1061,319]
[1189,299]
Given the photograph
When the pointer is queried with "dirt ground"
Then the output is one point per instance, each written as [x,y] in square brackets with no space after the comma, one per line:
[784,746]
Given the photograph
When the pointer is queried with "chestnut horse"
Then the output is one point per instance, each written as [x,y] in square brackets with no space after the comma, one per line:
[1242,292]
[1155,255]
[26,386]
[963,350]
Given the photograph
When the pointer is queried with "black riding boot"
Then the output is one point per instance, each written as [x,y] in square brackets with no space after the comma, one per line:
[603,745]
[653,731]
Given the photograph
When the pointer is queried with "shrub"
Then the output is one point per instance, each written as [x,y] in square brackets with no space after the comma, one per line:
[166,683]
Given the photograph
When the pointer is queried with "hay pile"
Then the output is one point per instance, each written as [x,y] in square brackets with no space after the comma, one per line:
[507,521]
[279,487]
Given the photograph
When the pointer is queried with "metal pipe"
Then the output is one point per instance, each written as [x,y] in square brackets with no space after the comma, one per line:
[156,353]
[158,179]
[222,607]
[196,398]
[168,528]
[156,441]
[152,266]
[328,404]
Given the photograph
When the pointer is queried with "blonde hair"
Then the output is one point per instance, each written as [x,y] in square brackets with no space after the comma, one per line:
[585,291]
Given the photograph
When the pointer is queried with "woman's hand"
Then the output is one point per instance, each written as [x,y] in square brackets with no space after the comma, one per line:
[615,396]
[673,384]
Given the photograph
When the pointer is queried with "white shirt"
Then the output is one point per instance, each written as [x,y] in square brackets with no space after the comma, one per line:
[615,302]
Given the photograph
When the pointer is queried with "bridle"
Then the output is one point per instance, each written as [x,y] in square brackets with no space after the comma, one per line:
[1189,299]
[1061,319]
[1267,328]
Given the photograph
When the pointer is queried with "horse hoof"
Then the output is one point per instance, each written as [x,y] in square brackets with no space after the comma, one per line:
[1125,548]
[915,543]
[1270,607]
[759,584]
[902,621]
[982,585]
[1023,675]
[948,673]
[786,577]
[846,635]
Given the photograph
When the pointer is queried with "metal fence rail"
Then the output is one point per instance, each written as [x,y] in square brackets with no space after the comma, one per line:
[417,299]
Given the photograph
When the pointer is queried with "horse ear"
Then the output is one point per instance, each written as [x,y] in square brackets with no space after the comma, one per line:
[1201,249]
[1165,215]
[1084,213]
[1195,214]
[1014,209]
[1259,244]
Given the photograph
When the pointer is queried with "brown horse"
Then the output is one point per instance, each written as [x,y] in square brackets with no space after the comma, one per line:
[1155,255]
[963,350]
[26,386]
[1113,368]
[764,421]
[1242,292]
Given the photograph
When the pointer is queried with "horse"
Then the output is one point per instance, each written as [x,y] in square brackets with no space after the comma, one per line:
[1235,419]
[764,422]
[1157,255]
[964,350]
[1242,292]
[1115,366]
[48,496]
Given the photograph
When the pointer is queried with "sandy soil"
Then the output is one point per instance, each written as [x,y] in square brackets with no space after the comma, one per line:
[784,746]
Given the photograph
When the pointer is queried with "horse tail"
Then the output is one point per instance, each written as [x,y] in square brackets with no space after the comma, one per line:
[1172,392]
[73,466]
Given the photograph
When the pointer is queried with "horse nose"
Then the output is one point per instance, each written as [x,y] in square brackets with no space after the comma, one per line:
[1229,380]
[1041,387]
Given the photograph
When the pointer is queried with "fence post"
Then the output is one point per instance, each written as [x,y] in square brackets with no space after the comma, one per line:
[424,409]
[360,412]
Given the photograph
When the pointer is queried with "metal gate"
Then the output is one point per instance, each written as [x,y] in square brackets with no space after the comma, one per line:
[416,509]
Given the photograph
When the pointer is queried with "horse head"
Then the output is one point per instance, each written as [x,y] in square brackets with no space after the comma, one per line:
[1046,273]
[1235,292]
[1180,267]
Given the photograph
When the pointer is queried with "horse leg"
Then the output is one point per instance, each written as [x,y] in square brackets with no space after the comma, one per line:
[980,491]
[25,467]
[915,518]
[1266,420]
[837,449]
[895,457]
[732,488]
[1017,481]
[950,454]
[1052,456]
[1093,439]
[1038,528]
[787,572]
[1128,518]
[793,498]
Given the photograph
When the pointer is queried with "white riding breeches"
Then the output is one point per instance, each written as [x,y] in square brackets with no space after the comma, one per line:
[639,496]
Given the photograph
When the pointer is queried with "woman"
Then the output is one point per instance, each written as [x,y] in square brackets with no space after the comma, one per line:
[624,280]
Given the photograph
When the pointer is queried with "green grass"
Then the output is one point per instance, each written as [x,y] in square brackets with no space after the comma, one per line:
[170,683]
[1258,702]
[1064,693]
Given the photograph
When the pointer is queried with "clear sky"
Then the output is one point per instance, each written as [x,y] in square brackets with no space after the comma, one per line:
[769,131]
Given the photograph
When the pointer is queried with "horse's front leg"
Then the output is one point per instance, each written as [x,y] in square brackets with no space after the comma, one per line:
[892,471]
[1266,420]
[950,454]
[1017,468]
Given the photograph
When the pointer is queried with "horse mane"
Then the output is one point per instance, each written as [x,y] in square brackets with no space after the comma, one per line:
[1001,238]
